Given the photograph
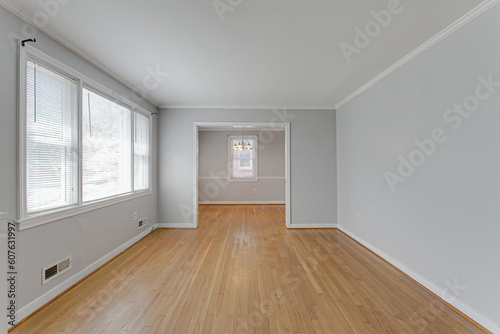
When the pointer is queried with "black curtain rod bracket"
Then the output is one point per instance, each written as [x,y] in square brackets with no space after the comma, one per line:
[28,40]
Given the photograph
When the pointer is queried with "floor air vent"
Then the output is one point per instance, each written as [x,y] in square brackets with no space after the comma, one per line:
[55,270]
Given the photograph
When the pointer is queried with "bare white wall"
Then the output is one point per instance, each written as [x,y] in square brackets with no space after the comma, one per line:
[213,169]
[313,166]
[87,237]
[442,222]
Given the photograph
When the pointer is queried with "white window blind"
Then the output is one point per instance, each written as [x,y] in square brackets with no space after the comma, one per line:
[141,152]
[106,147]
[51,139]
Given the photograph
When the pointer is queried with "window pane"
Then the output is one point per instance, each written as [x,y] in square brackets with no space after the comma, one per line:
[243,153]
[243,168]
[141,152]
[245,164]
[106,147]
[51,139]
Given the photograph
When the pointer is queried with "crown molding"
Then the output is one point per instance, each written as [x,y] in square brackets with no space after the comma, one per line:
[455,26]
[28,18]
[240,107]
[464,20]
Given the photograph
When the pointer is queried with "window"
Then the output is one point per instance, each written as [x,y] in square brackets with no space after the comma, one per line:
[81,145]
[141,152]
[106,143]
[243,163]
[51,139]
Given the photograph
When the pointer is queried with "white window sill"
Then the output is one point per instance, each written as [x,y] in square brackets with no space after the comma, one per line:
[50,217]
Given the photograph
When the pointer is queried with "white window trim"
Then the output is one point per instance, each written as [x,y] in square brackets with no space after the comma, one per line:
[150,164]
[24,220]
[255,178]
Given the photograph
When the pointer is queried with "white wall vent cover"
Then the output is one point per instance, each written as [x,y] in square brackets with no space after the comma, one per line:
[56,269]
[143,222]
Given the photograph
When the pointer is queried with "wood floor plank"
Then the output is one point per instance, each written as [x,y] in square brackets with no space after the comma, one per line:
[241,272]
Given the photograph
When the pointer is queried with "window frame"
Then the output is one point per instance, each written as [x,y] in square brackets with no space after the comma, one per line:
[132,120]
[230,159]
[26,220]
[74,111]
[150,150]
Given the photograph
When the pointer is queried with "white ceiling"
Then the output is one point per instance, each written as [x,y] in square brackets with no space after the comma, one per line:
[263,54]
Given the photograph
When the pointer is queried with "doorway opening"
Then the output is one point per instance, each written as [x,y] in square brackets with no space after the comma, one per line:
[241,163]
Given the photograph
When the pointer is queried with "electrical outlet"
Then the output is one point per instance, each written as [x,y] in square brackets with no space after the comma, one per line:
[135,215]
[358,215]
[254,190]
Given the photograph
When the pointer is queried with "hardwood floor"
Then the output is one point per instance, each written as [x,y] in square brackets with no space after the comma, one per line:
[241,271]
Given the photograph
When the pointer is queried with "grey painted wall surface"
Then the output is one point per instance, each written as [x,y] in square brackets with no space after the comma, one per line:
[313,166]
[87,237]
[213,162]
[443,221]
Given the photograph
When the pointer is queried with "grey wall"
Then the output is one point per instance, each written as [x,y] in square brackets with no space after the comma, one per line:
[86,237]
[313,166]
[442,222]
[213,169]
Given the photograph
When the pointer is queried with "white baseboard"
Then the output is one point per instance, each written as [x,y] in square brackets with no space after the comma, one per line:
[297,226]
[242,202]
[25,311]
[302,226]
[176,225]
[455,302]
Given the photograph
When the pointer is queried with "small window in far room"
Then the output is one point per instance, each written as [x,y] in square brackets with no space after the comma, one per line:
[243,153]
